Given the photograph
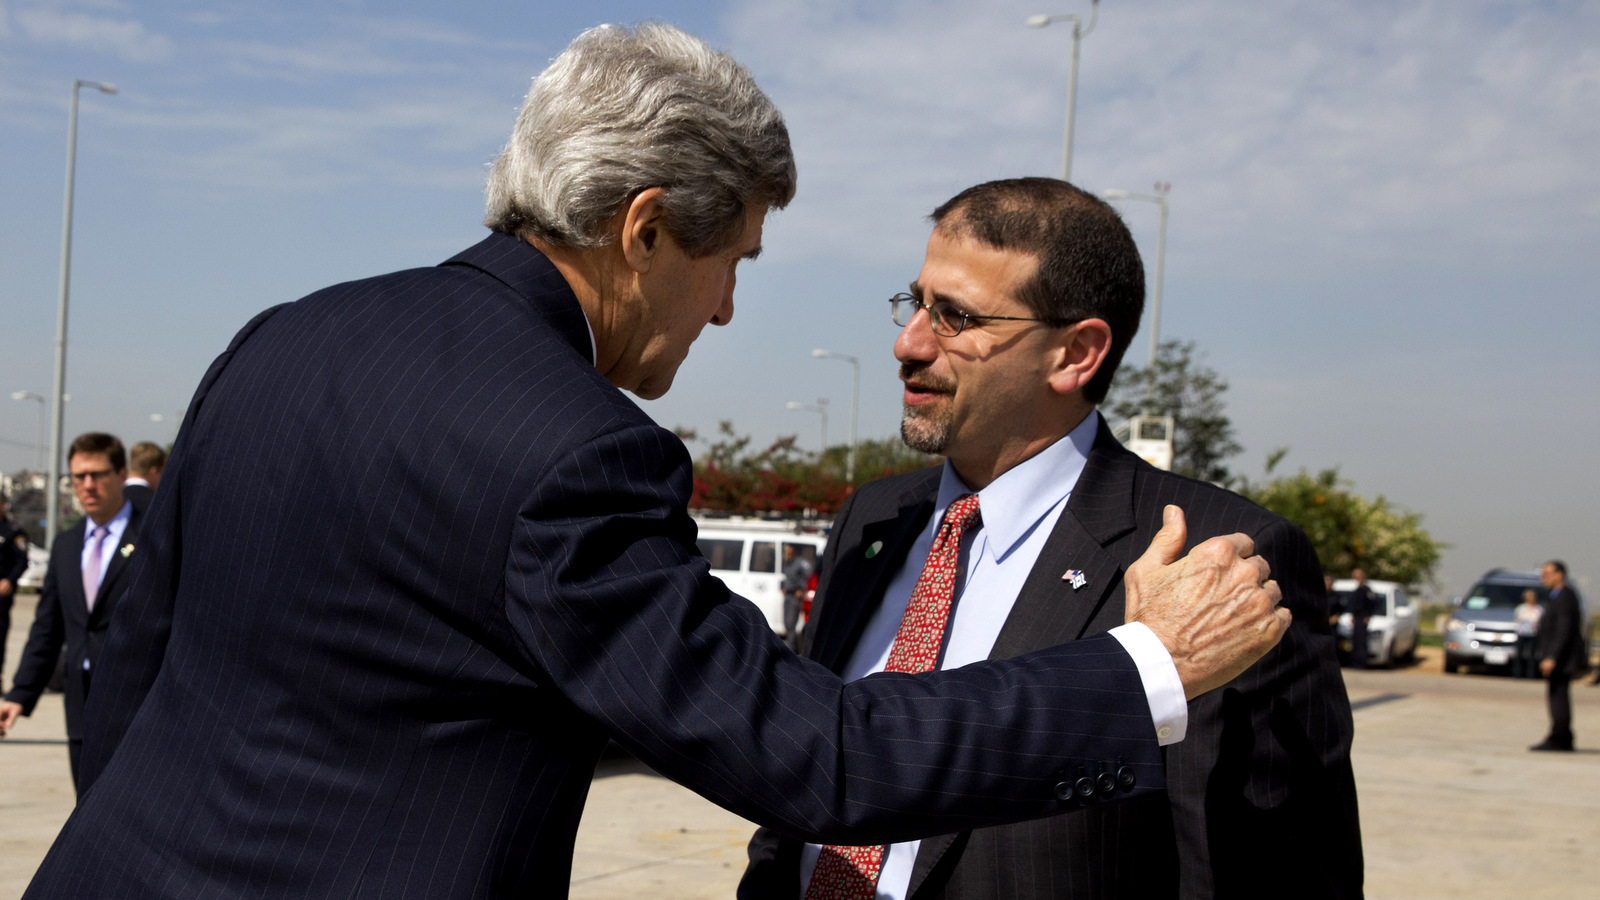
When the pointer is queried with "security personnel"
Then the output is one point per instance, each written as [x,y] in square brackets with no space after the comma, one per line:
[13,562]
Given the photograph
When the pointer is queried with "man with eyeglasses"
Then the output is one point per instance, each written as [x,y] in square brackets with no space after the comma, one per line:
[1029,295]
[88,572]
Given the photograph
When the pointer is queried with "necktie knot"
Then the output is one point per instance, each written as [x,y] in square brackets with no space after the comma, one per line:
[100,532]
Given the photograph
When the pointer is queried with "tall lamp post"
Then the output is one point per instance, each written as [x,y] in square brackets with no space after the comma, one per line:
[1078,32]
[820,408]
[38,454]
[52,490]
[1159,198]
[855,398]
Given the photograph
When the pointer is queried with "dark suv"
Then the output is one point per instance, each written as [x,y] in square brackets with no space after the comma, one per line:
[1482,629]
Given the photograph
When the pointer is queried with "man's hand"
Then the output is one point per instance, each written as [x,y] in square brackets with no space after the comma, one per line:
[1546,666]
[9,713]
[5,587]
[1214,610]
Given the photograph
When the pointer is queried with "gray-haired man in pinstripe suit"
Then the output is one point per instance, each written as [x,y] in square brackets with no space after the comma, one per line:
[491,570]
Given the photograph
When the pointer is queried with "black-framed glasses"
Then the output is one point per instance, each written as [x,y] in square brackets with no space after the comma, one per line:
[948,321]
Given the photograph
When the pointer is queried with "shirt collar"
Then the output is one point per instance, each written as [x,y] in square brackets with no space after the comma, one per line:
[119,521]
[1013,504]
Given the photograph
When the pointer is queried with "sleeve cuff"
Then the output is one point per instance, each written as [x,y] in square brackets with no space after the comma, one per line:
[1163,689]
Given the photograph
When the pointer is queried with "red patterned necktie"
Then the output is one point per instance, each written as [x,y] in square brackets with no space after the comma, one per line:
[851,873]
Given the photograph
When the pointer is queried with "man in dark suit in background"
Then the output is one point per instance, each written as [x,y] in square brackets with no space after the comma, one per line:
[13,563]
[419,558]
[145,462]
[1563,653]
[1361,602]
[88,572]
[1030,292]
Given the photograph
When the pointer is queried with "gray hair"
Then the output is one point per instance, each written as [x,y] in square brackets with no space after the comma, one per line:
[623,110]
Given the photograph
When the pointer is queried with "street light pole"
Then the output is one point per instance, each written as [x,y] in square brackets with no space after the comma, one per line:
[1078,32]
[1159,198]
[38,448]
[53,488]
[821,408]
[855,399]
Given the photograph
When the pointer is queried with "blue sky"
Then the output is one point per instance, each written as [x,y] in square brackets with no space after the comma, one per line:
[1384,216]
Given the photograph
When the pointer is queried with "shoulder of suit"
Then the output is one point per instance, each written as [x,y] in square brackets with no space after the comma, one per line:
[895,487]
[1212,498]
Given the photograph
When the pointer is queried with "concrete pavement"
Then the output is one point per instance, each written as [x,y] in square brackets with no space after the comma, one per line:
[1453,806]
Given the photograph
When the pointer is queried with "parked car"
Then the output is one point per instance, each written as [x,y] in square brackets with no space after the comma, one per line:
[747,554]
[38,562]
[1482,629]
[1392,630]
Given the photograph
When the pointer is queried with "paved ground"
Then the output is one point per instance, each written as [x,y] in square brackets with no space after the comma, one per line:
[1453,806]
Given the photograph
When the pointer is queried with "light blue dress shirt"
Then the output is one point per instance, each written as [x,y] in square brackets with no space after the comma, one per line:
[1019,510]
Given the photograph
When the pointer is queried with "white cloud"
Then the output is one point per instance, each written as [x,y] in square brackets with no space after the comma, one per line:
[1319,131]
[126,38]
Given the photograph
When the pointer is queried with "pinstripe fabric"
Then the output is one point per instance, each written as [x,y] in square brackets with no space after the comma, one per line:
[1261,799]
[412,562]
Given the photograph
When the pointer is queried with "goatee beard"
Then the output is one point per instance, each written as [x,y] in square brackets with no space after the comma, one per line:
[923,428]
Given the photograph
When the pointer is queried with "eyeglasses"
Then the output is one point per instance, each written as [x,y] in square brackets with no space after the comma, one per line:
[86,477]
[948,321]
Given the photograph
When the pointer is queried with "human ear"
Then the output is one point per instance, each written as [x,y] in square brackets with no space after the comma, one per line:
[1082,349]
[642,228]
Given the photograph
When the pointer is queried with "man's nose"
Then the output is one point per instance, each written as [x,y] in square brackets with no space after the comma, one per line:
[916,342]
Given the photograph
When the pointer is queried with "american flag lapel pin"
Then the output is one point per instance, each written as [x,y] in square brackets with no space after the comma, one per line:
[1076,578]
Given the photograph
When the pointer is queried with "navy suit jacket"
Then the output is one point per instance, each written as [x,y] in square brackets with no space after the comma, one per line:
[414,560]
[1561,633]
[1260,795]
[63,620]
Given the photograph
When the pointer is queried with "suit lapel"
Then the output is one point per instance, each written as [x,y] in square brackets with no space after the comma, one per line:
[1049,610]
[865,577]
[121,555]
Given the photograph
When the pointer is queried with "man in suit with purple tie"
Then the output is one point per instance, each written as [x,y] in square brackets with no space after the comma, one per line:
[88,572]
[418,558]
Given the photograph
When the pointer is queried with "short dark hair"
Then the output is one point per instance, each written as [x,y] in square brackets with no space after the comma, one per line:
[1089,266]
[146,456]
[1559,566]
[100,442]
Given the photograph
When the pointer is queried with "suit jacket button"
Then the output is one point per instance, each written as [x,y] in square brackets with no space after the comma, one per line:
[1106,784]
[1085,787]
[1125,778]
[1064,790]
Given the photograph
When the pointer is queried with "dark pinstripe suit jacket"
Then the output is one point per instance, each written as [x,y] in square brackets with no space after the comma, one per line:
[1261,798]
[413,560]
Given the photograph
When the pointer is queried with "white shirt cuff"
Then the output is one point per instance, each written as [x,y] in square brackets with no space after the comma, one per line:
[1169,708]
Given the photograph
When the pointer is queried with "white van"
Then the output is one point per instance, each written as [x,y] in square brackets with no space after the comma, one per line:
[747,554]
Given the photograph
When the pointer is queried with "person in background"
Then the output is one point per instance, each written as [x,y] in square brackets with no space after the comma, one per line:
[88,572]
[1526,664]
[1360,606]
[145,462]
[13,562]
[1563,654]
[796,572]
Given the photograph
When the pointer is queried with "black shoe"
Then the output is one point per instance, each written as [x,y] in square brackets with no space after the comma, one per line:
[1548,745]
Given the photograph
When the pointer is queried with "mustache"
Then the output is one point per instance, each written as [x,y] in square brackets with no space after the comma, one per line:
[919,372]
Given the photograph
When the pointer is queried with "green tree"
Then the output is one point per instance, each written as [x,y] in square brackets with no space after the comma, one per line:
[1349,531]
[1189,392]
